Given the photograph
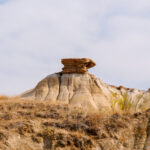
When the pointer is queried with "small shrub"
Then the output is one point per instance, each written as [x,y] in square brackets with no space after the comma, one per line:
[49,132]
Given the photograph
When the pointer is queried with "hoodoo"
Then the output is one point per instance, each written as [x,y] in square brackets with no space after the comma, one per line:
[75,86]
[77,65]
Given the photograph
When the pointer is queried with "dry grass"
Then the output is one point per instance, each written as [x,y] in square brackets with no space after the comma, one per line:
[56,125]
[4,97]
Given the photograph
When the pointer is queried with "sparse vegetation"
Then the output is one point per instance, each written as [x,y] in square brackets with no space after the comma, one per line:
[120,102]
[49,132]
[44,125]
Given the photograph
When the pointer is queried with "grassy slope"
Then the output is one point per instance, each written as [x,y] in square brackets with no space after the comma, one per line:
[38,125]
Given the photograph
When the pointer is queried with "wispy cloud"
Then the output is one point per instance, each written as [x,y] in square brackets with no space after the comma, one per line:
[35,35]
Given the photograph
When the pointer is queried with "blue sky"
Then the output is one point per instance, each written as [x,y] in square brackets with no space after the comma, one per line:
[3,1]
[36,34]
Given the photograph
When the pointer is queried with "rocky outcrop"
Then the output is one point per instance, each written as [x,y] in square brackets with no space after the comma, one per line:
[77,65]
[77,87]
[85,90]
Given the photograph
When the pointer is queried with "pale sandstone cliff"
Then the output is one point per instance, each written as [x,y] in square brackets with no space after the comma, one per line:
[77,87]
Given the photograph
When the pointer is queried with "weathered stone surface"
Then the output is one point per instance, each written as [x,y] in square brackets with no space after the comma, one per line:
[82,90]
[77,65]
[85,90]
[75,86]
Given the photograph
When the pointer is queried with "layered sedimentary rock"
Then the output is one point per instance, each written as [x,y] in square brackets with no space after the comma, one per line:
[79,88]
[77,65]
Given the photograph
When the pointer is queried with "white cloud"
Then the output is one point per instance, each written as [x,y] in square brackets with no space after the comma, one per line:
[35,35]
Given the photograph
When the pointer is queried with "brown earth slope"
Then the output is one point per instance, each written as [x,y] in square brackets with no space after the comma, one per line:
[37,125]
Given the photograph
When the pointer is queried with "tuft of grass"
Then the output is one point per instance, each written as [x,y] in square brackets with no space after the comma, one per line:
[49,132]
[120,102]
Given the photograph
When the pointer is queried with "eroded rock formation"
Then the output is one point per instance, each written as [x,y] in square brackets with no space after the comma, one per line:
[77,65]
[77,87]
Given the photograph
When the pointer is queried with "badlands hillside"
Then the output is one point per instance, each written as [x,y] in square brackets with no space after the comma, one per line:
[38,125]
[74,110]
[75,86]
